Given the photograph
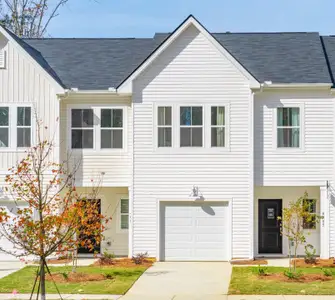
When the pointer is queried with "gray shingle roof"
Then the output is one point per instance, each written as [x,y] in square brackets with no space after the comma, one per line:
[328,43]
[101,63]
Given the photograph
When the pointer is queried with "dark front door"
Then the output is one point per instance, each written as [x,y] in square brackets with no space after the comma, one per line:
[83,250]
[269,237]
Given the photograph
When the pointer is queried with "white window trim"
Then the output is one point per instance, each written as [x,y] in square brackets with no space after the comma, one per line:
[12,131]
[112,128]
[121,214]
[97,129]
[302,128]
[176,149]
[3,53]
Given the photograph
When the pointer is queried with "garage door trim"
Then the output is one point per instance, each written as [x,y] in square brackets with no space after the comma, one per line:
[160,210]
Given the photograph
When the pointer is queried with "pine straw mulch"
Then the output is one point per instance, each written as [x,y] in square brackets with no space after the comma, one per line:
[249,262]
[75,277]
[327,263]
[303,279]
[57,261]
[123,262]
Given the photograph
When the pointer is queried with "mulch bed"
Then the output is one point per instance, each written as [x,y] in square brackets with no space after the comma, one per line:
[328,263]
[303,279]
[75,277]
[59,261]
[124,263]
[249,262]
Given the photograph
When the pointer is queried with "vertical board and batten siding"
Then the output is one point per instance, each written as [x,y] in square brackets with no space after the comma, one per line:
[24,82]
[190,71]
[116,165]
[313,164]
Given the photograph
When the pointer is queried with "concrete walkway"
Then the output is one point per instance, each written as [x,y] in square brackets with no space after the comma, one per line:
[8,267]
[182,280]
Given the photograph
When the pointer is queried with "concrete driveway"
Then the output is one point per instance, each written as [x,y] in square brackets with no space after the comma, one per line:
[182,280]
[8,267]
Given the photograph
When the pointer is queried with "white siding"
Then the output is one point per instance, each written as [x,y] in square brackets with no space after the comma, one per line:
[191,71]
[24,82]
[116,165]
[313,165]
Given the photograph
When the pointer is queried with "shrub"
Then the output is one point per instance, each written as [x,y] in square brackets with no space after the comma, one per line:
[65,275]
[310,252]
[292,275]
[262,271]
[107,258]
[109,276]
[139,258]
[327,272]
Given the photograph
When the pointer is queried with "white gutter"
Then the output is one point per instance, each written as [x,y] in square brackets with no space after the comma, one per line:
[270,85]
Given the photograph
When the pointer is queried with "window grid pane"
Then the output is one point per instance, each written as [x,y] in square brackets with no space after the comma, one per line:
[111,129]
[82,139]
[164,122]
[191,122]
[124,212]
[288,127]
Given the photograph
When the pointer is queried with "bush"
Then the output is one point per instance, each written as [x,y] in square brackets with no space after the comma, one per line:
[262,271]
[327,272]
[139,258]
[310,252]
[65,275]
[292,275]
[107,258]
[109,276]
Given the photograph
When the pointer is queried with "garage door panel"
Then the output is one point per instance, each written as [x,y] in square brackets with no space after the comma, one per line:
[194,231]
[179,237]
[215,238]
[175,222]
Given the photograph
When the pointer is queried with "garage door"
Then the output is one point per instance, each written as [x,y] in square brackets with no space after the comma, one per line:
[5,244]
[195,231]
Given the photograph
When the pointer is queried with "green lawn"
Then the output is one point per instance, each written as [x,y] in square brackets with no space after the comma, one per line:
[123,279]
[245,281]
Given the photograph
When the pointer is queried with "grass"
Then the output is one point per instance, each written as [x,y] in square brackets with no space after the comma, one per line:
[124,278]
[245,281]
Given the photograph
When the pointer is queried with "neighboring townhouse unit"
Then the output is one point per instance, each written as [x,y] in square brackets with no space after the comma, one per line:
[201,138]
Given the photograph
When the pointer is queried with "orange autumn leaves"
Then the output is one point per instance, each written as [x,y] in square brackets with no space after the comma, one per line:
[55,217]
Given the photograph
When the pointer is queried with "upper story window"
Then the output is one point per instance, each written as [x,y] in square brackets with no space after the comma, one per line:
[191,126]
[2,57]
[23,127]
[218,126]
[165,126]
[4,127]
[111,129]
[288,127]
[82,122]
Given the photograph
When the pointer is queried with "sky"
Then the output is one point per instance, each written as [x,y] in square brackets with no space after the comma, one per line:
[142,18]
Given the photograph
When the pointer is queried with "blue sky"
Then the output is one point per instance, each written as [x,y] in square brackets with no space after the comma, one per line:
[142,18]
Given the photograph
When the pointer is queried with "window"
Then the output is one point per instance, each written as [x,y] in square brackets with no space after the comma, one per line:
[23,127]
[4,127]
[310,207]
[111,129]
[165,126]
[191,122]
[82,128]
[124,213]
[218,126]
[288,127]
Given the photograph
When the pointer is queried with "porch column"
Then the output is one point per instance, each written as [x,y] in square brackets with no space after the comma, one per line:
[324,223]
[130,230]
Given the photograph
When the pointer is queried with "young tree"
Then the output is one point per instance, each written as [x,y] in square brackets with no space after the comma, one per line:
[293,219]
[29,18]
[57,219]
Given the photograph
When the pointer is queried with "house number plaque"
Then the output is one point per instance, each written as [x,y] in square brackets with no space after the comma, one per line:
[271,213]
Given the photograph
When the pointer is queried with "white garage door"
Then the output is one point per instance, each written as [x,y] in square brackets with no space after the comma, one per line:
[195,231]
[5,244]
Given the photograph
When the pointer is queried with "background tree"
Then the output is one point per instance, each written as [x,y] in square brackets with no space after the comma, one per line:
[56,218]
[29,18]
[292,224]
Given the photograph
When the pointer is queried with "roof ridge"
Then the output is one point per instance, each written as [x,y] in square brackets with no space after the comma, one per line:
[90,38]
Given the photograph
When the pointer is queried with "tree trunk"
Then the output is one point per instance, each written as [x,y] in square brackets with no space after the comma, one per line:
[42,279]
